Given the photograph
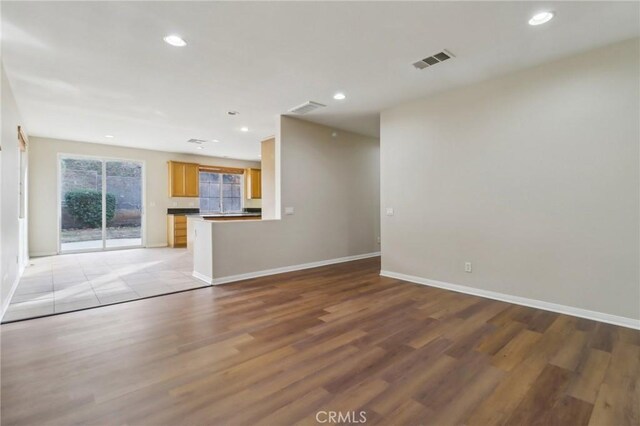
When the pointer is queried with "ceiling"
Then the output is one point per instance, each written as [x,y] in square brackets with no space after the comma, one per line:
[83,70]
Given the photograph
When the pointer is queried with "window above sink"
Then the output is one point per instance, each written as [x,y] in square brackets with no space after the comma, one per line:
[220,192]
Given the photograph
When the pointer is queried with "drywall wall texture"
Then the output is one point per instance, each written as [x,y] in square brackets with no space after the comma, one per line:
[268,157]
[43,196]
[11,229]
[332,183]
[532,177]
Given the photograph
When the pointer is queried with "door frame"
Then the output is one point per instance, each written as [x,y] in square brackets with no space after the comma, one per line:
[104,159]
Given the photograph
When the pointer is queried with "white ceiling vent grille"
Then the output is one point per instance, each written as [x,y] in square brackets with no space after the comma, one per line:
[432,60]
[196,141]
[306,108]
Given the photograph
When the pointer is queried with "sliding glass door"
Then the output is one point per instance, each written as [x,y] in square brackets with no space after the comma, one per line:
[100,204]
[81,204]
[124,204]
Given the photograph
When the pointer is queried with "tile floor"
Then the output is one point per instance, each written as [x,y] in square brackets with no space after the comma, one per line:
[70,282]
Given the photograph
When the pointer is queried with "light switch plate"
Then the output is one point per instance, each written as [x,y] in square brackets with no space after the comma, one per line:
[289,210]
[389,211]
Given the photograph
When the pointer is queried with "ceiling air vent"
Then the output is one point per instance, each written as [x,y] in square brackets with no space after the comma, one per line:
[432,60]
[196,141]
[306,107]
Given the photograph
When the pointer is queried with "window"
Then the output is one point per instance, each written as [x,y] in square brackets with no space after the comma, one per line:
[220,192]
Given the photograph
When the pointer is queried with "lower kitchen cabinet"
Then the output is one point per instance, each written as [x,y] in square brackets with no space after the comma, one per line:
[177,230]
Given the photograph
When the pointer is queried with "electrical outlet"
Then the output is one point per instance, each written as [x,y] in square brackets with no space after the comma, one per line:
[378,240]
[389,211]
[467,266]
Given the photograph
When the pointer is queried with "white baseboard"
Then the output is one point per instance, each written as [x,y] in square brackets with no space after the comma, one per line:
[14,286]
[156,245]
[274,271]
[42,254]
[202,277]
[532,303]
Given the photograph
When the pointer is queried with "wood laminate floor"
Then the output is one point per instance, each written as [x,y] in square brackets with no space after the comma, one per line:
[277,350]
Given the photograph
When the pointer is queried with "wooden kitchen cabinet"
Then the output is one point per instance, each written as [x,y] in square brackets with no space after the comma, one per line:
[177,230]
[183,179]
[253,178]
[192,180]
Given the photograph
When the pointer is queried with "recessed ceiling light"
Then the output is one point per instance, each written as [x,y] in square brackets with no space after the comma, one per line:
[175,40]
[215,140]
[200,147]
[339,96]
[541,18]
[108,136]
[244,129]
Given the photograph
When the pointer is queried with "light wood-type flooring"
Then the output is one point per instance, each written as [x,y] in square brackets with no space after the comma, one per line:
[277,350]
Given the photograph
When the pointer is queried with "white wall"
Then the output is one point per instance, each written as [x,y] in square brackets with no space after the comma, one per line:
[12,228]
[533,177]
[333,185]
[43,202]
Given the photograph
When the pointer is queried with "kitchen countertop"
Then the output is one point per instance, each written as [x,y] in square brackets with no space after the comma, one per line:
[246,214]
[229,217]
[180,211]
[195,212]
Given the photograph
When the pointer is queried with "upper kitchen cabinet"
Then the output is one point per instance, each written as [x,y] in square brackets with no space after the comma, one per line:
[254,184]
[183,179]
